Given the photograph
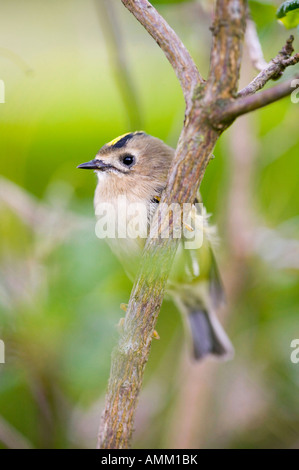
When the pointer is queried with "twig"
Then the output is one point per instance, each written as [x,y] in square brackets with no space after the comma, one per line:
[273,70]
[118,61]
[254,46]
[259,100]
[170,43]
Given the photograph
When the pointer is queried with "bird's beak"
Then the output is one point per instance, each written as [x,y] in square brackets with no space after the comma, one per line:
[92,165]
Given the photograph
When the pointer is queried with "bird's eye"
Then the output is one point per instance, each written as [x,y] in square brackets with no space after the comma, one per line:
[128,160]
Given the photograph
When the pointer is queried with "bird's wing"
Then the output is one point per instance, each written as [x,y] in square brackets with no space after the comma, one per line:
[195,269]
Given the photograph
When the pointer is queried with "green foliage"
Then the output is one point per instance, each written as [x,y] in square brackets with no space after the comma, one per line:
[288,13]
[60,287]
[262,12]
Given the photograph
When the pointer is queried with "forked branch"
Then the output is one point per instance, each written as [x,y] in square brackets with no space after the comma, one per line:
[273,70]
[210,108]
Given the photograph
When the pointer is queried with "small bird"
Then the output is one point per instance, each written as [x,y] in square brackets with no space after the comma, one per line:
[134,168]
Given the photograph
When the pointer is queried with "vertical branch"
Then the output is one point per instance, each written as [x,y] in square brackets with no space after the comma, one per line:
[192,155]
[228,34]
[130,356]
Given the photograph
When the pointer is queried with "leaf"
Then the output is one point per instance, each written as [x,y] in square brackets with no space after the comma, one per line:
[262,13]
[288,13]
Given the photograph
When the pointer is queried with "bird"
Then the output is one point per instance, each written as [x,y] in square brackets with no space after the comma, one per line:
[132,169]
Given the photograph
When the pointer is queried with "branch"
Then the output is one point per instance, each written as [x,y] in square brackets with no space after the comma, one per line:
[252,102]
[254,46]
[193,153]
[228,33]
[130,356]
[173,48]
[273,70]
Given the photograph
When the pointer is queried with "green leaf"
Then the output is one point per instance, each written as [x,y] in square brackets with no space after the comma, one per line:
[262,12]
[288,13]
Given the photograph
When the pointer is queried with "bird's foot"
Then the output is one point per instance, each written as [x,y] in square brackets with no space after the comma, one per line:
[156,334]
[124,307]
[188,227]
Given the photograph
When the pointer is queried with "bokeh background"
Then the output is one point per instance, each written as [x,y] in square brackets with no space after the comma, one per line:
[78,74]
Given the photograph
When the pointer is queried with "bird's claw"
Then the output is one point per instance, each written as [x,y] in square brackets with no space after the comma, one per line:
[156,334]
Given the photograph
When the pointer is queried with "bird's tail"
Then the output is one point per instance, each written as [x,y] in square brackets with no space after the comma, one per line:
[208,335]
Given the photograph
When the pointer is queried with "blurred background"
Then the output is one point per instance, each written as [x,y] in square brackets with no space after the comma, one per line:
[77,74]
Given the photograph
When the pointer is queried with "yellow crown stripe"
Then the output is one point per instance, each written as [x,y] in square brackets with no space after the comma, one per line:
[117,139]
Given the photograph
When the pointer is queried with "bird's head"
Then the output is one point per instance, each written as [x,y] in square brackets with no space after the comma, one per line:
[131,160]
